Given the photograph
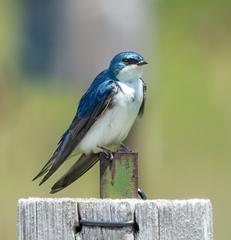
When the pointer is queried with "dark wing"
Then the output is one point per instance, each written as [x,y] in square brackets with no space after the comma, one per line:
[142,107]
[92,105]
[83,164]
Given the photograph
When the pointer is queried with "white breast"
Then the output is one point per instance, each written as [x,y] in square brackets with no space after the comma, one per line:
[113,127]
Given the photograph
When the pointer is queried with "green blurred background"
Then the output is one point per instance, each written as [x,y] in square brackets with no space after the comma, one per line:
[184,137]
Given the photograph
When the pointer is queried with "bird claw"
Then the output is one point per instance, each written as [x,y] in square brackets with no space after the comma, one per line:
[124,148]
[108,155]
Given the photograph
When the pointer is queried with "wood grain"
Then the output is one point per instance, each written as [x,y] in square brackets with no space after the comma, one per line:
[51,219]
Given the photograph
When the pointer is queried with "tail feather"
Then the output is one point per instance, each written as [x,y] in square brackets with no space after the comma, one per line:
[44,170]
[84,163]
[59,156]
[49,166]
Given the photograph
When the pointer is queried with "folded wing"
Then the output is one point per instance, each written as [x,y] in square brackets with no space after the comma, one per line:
[92,105]
[77,170]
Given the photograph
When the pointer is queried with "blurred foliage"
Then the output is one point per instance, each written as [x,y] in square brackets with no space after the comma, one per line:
[185,135]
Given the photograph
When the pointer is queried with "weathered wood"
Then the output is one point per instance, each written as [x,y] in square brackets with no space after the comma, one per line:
[47,218]
[147,218]
[51,219]
[185,220]
[107,211]
[119,176]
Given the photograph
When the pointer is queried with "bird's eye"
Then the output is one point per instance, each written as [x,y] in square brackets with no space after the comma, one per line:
[125,60]
[129,61]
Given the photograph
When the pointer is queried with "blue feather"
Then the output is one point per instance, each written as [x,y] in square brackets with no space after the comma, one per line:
[98,92]
[92,106]
[100,88]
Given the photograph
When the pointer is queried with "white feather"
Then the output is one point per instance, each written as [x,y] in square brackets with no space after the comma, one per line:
[130,72]
[113,127]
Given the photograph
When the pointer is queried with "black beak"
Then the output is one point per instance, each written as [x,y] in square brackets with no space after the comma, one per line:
[142,62]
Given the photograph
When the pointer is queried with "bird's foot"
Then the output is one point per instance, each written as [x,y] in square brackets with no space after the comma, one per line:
[124,148]
[107,153]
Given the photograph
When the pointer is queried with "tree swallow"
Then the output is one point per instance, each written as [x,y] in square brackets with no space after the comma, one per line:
[104,117]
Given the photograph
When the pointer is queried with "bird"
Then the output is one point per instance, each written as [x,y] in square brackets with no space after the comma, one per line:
[104,117]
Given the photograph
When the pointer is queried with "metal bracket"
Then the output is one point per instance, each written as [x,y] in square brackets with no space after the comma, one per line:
[106,224]
[142,194]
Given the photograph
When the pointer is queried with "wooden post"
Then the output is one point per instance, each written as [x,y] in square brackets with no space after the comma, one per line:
[119,176]
[71,219]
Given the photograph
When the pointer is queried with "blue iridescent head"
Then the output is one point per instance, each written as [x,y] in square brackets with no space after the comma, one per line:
[127,66]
